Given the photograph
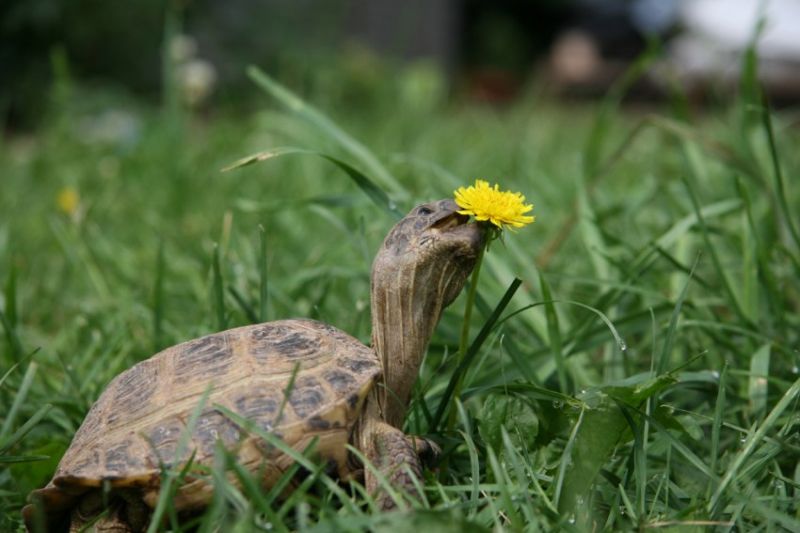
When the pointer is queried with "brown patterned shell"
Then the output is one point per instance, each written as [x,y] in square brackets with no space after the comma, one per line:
[140,418]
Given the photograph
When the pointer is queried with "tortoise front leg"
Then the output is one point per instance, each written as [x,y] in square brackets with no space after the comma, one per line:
[396,457]
[427,450]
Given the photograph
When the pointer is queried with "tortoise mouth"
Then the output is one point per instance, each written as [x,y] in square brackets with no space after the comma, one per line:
[453,220]
[464,239]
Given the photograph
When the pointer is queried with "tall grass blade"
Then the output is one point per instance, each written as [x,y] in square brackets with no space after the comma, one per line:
[375,193]
[789,397]
[719,413]
[8,315]
[263,276]
[158,299]
[325,124]
[663,361]
[14,344]
[246,308]
[11,296]
[563,466]
[554,332]
[780,192]
[720,271]
[24,429]
[218,291]
[19,400]
[473,351]
[765,276]
[759,375]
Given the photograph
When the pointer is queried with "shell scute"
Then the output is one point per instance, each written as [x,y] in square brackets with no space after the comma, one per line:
[207,357]
[339,381]
[297,345]
[122,457]
[133,393]
[163,439]
[213,426]
[306,397]
[356,365]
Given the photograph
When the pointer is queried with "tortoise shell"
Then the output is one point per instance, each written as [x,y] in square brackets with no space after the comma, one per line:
[296,379]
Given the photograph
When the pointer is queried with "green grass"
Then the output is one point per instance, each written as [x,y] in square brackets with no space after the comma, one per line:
[643,374]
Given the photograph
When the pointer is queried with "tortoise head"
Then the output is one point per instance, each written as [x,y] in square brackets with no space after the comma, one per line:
[429,253]
[420,269]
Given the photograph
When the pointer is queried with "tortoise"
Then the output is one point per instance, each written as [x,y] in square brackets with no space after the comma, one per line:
[299,380]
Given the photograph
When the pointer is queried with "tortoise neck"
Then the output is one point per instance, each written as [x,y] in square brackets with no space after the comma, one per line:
[405,313]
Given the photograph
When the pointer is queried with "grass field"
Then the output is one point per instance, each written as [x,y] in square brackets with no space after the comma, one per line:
[643,375]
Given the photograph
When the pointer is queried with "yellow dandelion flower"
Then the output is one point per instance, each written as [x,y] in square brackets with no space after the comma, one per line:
[501,208]
[67,200]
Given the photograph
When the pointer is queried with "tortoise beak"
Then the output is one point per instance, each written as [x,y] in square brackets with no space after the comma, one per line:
[465,238]
[451,221]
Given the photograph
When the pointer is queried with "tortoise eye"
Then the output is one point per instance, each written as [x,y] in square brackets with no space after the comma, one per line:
[424,211]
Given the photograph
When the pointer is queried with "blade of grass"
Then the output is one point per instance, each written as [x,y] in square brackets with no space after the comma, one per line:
[663,361]
[16,459]
[473,351]
[712,251]
[246,308]
[8,315]
[302,108]
[24,429]
[783,205]
[566,459]
[263,274]
[504,488]
[554,332]
[639,431]
[218,291]
[603,317]
[719,412]
[19,400]
[15,345]
[766,276]
[158,298]
[375,193]
[789,397]
[759,372]
[474,470]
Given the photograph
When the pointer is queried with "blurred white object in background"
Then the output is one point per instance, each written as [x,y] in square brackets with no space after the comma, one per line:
[198,78]
[717,32]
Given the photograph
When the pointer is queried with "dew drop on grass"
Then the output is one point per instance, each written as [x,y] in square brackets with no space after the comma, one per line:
[558,404]
[795,369]
[622,345]
[715,374]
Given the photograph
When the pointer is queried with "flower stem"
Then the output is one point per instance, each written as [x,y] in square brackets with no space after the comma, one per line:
[463,344]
